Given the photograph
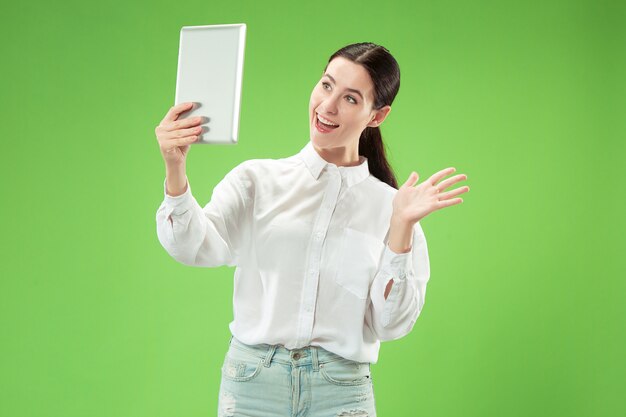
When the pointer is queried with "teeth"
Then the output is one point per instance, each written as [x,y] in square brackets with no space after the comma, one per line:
[326,121]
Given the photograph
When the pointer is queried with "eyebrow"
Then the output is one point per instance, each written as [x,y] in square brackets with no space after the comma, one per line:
[349,89]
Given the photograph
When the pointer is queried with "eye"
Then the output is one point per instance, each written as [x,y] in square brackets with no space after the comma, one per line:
[324,84]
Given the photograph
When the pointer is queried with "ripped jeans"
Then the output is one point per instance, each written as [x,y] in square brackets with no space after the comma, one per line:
[272,381]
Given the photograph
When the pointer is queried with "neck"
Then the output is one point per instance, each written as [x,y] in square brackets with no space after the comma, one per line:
[342,156]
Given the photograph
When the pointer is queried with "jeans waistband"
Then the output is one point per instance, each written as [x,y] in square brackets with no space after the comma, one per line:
[309,355]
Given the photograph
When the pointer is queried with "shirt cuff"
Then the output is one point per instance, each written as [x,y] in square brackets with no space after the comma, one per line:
[178,204]
[398,264]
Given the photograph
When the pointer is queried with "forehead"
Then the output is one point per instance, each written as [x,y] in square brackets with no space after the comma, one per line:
[347,74]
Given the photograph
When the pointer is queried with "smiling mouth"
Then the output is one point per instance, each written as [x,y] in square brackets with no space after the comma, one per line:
[323,126]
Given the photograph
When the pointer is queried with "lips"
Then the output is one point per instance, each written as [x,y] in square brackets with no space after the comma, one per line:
[321,127]
[331,122]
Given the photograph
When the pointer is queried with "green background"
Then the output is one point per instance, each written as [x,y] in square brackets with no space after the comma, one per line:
[524,314]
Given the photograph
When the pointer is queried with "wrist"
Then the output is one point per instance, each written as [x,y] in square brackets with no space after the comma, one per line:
[176,168]
[400,235]
[175,180]
[401,221]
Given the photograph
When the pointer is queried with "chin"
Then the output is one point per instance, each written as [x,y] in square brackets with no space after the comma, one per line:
[320,142]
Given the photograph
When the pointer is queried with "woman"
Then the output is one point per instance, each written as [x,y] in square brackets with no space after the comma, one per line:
[330,256]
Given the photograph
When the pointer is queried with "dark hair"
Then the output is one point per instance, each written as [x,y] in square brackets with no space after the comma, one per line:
[385,74]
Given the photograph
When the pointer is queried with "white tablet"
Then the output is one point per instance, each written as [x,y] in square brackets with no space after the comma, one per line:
[210,70]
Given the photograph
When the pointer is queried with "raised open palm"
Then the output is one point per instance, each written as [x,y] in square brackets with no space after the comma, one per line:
[413,203]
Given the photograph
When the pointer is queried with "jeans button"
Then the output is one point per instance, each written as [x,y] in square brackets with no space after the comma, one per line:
[296,356]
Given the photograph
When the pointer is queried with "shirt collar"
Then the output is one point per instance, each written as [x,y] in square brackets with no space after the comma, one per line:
[316,164]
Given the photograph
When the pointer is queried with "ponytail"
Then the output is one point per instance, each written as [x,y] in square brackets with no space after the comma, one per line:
[371,146]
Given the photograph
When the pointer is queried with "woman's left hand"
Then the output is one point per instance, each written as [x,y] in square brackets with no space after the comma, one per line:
[411,204]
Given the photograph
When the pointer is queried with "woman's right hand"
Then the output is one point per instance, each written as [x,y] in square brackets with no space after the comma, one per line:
[175,136]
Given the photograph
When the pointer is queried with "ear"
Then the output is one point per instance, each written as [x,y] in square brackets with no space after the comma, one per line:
[379,116]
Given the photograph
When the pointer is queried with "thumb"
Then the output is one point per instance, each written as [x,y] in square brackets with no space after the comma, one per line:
[411,180]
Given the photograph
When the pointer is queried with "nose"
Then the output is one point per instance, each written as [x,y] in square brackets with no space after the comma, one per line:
[329,105]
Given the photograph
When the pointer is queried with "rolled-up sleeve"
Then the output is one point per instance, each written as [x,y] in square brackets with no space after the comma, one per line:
[210,236]
[394,317]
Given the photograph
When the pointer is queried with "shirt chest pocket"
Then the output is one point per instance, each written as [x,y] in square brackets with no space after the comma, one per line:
[358,261]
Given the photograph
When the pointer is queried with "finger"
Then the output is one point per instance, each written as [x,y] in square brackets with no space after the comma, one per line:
[182,123]
[175,143]
[180,133]
[439,175]
[452,193]
[450,181]
[176,110]
[448,203]
[411,180]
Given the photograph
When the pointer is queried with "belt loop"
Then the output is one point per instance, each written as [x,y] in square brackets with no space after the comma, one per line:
[268,358]
[314,358]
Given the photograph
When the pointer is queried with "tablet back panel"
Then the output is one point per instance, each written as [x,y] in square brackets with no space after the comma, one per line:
[210,70]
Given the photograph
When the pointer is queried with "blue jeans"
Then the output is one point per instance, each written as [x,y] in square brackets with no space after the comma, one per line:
[272,381]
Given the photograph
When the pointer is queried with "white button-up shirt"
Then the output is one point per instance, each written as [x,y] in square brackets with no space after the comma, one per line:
[308,239]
